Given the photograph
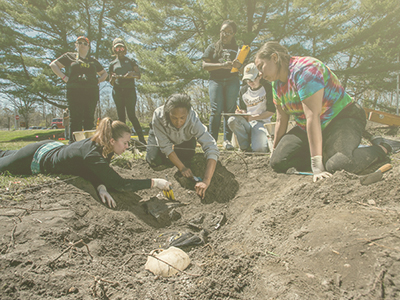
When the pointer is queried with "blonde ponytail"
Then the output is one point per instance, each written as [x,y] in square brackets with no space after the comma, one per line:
[107,130]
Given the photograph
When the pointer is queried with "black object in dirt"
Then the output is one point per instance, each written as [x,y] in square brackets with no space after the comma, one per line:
[187,239]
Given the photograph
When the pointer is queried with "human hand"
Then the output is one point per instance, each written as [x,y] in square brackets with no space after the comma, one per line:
[227,65]
[105,196]
[162,184]
[318,168]
[187,172]
[321,175]
[201,188]
[237,64]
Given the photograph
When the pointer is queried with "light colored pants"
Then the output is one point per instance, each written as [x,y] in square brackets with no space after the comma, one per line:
[249,133]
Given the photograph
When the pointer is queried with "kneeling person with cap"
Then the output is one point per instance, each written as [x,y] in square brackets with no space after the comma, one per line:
[256,100]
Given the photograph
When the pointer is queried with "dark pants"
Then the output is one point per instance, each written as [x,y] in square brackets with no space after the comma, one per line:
[154,157]
[19,161]
[223,97]
[82,104]
[126,98]
[340,151]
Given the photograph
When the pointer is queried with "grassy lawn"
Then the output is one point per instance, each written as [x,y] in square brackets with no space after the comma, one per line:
[12,140]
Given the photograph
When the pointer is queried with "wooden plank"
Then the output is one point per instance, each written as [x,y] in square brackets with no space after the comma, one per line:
[384,118]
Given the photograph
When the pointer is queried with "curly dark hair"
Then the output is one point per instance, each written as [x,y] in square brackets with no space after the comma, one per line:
[175,101]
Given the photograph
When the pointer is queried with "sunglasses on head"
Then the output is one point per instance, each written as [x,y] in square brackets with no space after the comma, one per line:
[82,43]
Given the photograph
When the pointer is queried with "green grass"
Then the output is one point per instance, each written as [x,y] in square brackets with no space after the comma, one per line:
[30,135]
[13,140]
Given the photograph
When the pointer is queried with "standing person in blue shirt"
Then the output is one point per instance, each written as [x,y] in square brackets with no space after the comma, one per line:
[218,60]
[81,76]
[174,130]
[123,72]
[256,99]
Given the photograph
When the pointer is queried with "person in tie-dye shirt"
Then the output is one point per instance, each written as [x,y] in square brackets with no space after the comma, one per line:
[329,123]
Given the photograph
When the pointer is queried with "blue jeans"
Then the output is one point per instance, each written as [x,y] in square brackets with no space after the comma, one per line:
[249,133]
[223,97]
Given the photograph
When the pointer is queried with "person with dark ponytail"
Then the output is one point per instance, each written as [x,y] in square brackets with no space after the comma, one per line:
[218,59]
[174,130]
[89,158]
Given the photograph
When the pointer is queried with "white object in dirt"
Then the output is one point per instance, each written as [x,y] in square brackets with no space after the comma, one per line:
[173,256]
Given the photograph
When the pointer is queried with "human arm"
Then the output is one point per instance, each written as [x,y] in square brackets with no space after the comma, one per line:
[181,167]
[133,74]
[112,75]
[210,66]
[56,67]
[263,115]
[202,186]
[282,119]
[312,107]
[99,172]
[103,75]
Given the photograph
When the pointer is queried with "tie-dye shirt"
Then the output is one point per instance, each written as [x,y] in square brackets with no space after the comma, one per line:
[308,75]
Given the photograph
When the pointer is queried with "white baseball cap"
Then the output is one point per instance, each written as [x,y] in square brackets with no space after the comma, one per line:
[250,72]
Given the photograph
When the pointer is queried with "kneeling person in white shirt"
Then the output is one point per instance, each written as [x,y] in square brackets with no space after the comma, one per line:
[255,99]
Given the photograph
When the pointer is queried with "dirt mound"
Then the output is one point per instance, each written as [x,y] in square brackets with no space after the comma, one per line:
[277,236]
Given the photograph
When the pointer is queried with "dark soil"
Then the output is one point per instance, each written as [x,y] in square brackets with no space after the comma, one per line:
[262,235]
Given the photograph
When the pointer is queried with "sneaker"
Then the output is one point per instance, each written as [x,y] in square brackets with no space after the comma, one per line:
[392,146]
[227,145]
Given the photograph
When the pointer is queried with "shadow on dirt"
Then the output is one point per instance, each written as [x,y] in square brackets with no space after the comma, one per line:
[126,201]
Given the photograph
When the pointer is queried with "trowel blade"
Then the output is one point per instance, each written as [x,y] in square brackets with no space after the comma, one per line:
[371,178]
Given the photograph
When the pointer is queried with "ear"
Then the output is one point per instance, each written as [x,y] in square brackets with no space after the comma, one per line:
[112,142]
[274,57]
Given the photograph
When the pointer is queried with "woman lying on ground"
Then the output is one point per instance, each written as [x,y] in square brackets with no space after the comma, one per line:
[329,123]
[174,130]
[89,158]
[255,99]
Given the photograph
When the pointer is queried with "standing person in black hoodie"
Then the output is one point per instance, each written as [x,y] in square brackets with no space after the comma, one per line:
[218,60]
[81,75]
[123,72]
[89,158]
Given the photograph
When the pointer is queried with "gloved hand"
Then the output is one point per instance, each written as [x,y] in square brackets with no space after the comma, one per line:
[162,184]
[105,196]
[318,168]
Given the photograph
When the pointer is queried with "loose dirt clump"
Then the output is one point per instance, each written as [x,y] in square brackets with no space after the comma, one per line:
[263,236]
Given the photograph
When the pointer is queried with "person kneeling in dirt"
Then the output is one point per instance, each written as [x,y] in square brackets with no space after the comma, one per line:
[255,99]
[173,133]
[329,123]
[89,158]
